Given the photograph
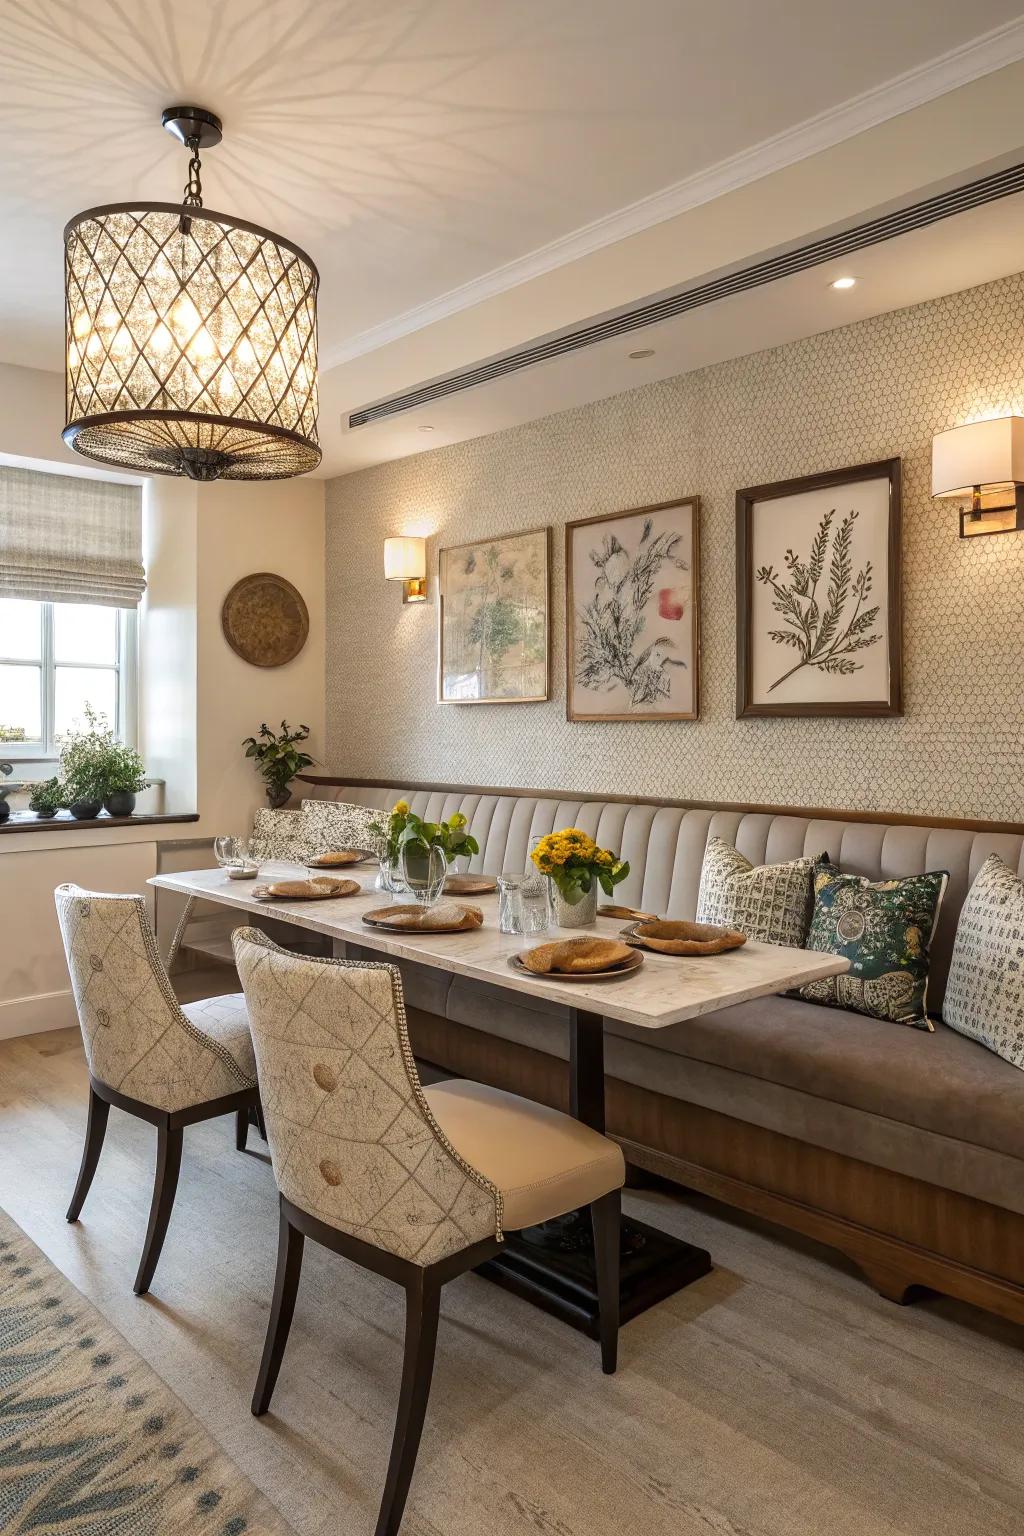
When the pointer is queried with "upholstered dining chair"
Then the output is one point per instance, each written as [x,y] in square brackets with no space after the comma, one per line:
[167,1064]
[415,1183]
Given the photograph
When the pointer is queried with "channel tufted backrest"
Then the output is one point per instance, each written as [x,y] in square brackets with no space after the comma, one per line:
[351,1135]
[137,1040]
[665,845]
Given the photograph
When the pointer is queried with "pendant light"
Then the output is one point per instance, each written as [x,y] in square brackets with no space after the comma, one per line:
[191,336]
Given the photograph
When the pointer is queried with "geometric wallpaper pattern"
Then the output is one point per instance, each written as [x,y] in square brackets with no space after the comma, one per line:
[873,390]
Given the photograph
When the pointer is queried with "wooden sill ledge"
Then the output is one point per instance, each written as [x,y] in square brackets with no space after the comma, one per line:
[28,821]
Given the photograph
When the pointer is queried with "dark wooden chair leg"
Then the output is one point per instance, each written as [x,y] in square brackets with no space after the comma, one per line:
[422,1307]
[241,1129]
[96,1129]
[261,1124]
[606,1216]
[168,1162]
[290,1243]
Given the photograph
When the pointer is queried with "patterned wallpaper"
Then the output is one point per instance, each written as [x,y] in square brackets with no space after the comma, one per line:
[868,391]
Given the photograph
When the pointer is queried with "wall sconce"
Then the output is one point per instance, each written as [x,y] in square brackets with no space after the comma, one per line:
[405,560]
[983,463]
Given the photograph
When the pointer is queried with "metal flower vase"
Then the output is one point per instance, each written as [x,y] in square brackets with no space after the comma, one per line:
[574,914]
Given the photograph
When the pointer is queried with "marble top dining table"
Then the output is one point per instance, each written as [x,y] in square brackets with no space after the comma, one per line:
[553,1265]
[665,990]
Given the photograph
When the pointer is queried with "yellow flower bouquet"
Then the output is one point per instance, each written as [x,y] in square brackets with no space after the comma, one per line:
[574,863]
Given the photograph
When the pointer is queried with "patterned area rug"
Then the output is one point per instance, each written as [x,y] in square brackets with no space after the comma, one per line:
[93,1442]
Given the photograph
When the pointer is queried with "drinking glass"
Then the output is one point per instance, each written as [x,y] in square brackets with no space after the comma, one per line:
[523,903]
[232,854]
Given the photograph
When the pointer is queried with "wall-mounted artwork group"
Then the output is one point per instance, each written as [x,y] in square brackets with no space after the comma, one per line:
[818,613]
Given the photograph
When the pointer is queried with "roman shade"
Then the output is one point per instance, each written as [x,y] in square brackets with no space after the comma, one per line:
[67,539]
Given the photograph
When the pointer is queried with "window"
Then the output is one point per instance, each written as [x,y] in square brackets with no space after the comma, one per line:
[54,659]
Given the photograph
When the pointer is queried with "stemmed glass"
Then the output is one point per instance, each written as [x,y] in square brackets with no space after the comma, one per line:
[232,854]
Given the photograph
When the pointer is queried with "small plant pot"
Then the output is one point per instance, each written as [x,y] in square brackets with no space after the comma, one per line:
[5,810]
[278,798]
[120,803]
[46,812]
[86,810]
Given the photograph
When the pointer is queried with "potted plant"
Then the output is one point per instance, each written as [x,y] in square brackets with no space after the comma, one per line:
[576,866]
[97,771]
[277,759]
[6,769]
[45,798]
[405,831]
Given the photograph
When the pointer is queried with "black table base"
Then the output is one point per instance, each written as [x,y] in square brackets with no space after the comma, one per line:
[559,1276]
[553,1265]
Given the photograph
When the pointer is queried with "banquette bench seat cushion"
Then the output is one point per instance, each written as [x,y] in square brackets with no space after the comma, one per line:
[937,1107]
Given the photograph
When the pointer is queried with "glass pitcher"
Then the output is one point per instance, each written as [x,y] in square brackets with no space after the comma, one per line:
[422,871]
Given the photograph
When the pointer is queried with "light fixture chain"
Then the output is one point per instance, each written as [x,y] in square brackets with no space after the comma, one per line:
[193,196]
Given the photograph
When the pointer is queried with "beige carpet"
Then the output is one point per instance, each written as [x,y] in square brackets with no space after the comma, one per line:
[778,1397]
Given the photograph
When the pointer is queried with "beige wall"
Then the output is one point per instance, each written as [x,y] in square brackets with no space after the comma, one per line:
[197,698]
[865,392]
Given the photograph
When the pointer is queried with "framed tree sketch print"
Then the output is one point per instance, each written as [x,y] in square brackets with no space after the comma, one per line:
[494,626]
[818,613]
[632,614]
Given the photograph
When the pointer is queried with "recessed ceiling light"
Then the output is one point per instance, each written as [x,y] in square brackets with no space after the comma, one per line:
[843,282]
[426,429]
[644,352]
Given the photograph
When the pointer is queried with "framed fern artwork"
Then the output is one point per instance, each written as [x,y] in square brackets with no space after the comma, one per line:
[494,639]
[633,614]
[818,595]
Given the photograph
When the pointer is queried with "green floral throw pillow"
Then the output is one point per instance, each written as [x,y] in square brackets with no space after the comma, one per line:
[884,928]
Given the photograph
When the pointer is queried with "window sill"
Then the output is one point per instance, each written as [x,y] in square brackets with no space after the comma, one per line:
[28,821]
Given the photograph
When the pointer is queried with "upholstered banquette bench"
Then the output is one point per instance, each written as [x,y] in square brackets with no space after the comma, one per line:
[903,1149]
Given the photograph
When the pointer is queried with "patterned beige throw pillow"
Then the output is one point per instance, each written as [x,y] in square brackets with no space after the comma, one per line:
[769,902]
[985,991]
[330,824]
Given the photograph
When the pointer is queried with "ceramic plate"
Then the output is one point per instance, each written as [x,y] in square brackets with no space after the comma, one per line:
[318,890]
[359,856]
[382,917]
[624,968]
[469,885]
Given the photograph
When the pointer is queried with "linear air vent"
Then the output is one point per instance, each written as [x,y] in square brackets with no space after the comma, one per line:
[887,226]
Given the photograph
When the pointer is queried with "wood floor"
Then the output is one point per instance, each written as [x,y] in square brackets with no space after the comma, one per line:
[777,1397]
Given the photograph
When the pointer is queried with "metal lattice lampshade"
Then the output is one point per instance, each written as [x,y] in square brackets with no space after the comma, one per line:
[191,344]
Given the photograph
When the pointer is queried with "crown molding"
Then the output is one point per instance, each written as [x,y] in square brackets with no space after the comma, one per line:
[981,56]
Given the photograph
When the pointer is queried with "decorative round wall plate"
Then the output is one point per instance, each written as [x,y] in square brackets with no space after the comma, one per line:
[265,620]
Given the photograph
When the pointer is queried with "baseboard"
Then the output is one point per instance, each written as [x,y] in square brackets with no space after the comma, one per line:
[34,1015]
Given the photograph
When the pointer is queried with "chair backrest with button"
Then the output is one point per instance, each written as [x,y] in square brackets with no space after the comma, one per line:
[351,1135]
[137,1040]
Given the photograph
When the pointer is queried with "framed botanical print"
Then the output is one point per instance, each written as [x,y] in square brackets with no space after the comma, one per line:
[818,612]
[494,645]
[632,614]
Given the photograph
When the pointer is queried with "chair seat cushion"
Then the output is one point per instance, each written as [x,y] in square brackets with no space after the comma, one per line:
[226,1021]
[545,1163]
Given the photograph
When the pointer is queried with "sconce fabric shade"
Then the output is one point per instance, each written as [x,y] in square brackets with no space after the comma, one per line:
[405,559]
[988,454]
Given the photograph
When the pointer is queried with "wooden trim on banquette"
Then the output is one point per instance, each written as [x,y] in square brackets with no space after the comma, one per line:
[812,813]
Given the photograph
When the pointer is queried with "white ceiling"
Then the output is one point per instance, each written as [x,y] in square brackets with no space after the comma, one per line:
[416,146]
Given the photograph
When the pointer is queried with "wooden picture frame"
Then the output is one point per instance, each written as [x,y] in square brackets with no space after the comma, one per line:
[590,679]
[816,541]
[525,602]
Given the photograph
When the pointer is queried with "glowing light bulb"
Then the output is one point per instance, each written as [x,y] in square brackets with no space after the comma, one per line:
[201,346]
[82,324]
[161,341]
[122,342]
[184,317]
[245,352]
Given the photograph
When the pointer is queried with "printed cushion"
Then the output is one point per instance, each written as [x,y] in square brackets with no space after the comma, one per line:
[279,835]
[985,991]
[884,928]
[330,824]
[769,902]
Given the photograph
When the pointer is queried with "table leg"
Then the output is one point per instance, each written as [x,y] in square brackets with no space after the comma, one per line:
[552,1265]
